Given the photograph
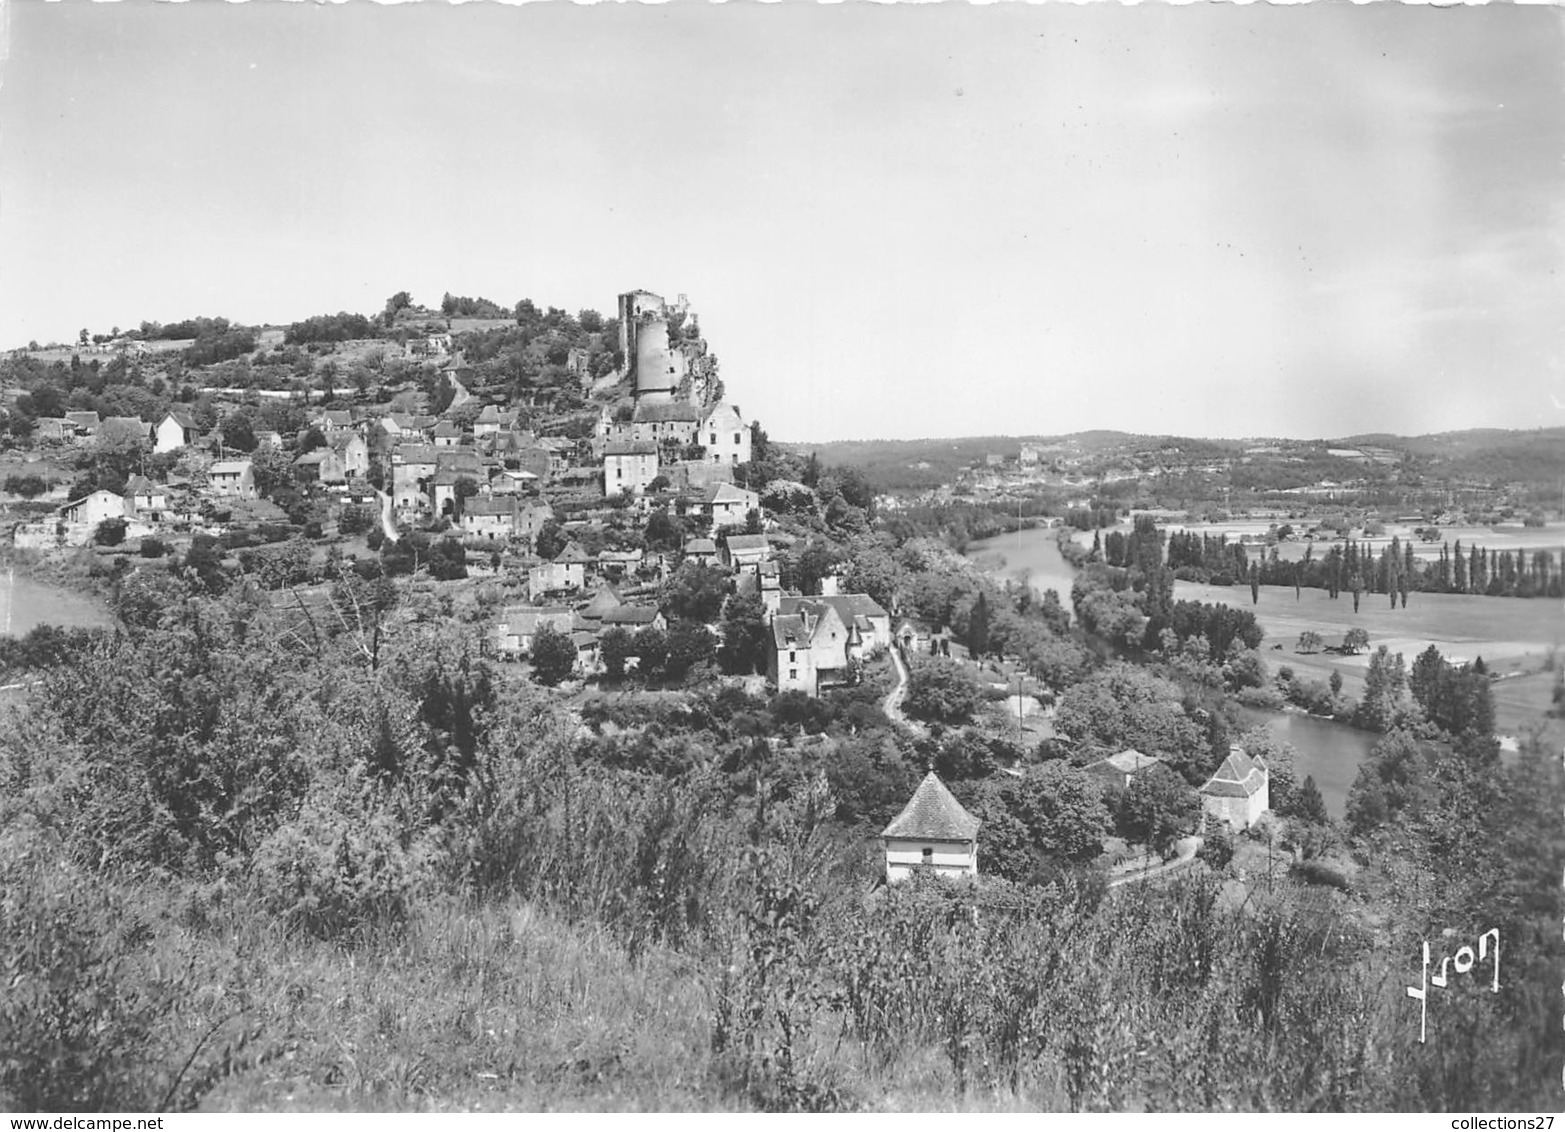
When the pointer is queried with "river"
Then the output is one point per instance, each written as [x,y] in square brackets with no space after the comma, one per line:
[32,603]
[1328,751]
[1033,552]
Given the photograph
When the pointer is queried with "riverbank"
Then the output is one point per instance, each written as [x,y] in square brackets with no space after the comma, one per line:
[35,591]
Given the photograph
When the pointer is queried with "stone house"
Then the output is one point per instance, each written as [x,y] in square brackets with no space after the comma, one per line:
[489,517]
[725,436]
[93,509]
[718,505]
[320,465]
[932,833]
[145,498]
[629,466]
[332,420]
[672,423]
[531,518]
[701,551]
[175,431]
[412,470]
[493,420]
[516,626]
[568,571]
[809,650]
[232,479]
[354,451]
[745,552]
[868,625]
[1239,792]
[618,563]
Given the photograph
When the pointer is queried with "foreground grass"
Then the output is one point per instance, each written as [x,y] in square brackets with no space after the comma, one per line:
[501,1007]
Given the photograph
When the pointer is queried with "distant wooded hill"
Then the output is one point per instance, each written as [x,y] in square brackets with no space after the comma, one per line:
[1491,456]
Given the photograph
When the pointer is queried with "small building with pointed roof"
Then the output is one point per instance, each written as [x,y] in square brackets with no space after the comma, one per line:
[933,833]
[1239,792]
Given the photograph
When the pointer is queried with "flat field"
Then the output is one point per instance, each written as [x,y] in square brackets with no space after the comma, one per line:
[1515,636]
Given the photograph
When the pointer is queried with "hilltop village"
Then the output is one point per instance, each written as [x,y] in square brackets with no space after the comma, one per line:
[566,511]
[495,648]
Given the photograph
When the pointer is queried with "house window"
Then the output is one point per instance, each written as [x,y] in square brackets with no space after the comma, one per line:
[792,656]
[714,438]
[736,438]
[793,673]
[929,855]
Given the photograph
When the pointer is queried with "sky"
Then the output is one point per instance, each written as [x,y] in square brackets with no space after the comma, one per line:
[892,220]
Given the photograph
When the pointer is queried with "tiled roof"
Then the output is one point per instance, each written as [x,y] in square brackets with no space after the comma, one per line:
[723,415]
[1240,776]
[675,411]
[229,467]
[1128,761]
[630,448]
[415,454]
[631,615]
[481,505]
[748,542]
[700,546]
[523,621]
[602,602]
[728,493]
[933,814]
[850,607]
[789,632]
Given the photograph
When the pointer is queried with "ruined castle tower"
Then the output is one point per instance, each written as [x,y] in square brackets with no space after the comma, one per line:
[657,365]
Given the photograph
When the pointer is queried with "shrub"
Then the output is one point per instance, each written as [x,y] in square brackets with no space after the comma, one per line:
[111,532]
[553,656]
[942,690]
[1318,872]
[28,487]
[1217,849]
[153,548]
[90,1020]
[337,875]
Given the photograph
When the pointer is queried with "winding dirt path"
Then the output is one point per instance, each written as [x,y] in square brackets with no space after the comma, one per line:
[893,705]
[1187,847]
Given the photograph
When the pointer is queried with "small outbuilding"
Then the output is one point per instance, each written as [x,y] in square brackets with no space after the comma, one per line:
[934,833]
[1119,769]
[1239,793]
